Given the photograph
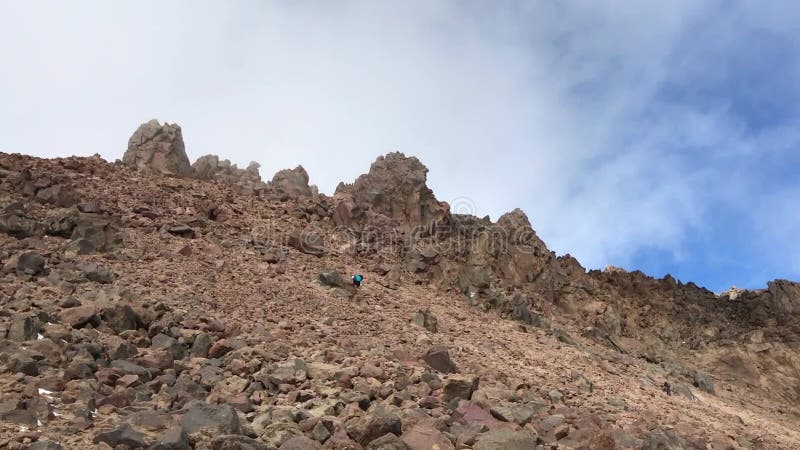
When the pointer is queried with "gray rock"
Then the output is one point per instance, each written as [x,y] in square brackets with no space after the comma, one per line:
[618,403]
[79,316]
[158,148]
[427,320]
[120,317]
[215,418]
[293,182]
[273,255]
[460,387]
[20,227]
[183,230]
[23,329]
[555,396]
[235,442]
[89,207]
[62,194]
[438,357]
[209,167]
[331,278]
[168,343]
[320,433]
[507,440]
[45,445]
[684,390]
[151,420]
[201,346]
[173,439]
[276,433]
[291,373]
[122,435]
[307,242]
[663,440]
[69,302]
[127,367]
[515,413]
[300,442]
[94,233]
[703,381]
[97,273]
[22,362]
[582,382]
[387,442]
[30,263]
[122,349]
[367,428]
[14,411]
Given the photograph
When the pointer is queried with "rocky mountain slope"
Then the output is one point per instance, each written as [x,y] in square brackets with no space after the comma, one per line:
[154,303]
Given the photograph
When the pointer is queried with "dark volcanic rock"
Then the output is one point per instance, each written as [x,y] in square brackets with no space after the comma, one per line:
[438,357]
[78,316]
[331,277]
[30,263]
[173,439]
[215,418]
[372,426]
[122,435]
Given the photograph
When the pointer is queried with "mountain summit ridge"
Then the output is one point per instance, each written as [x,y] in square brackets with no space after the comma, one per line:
[220,303]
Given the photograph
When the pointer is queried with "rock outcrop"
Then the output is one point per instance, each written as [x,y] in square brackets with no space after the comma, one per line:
[395,186]
[209,167]
[293,182]
[158,148]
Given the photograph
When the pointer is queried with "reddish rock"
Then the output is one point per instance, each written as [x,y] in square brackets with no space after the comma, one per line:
[423,437]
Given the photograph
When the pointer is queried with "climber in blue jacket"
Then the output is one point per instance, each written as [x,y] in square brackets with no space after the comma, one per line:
[357,279]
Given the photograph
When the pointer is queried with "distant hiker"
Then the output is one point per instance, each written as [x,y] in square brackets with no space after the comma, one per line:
[667,388]
[357,279]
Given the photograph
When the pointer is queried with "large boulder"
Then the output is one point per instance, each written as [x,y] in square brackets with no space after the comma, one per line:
[23,329]
[369,427]
[175,438]
[30,263]
[293,182]
[307,241]
[158,148]
[221,419]
[438,357]
[62,194]
[94,233]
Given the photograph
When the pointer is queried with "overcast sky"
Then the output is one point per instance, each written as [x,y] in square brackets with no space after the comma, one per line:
[651,135]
